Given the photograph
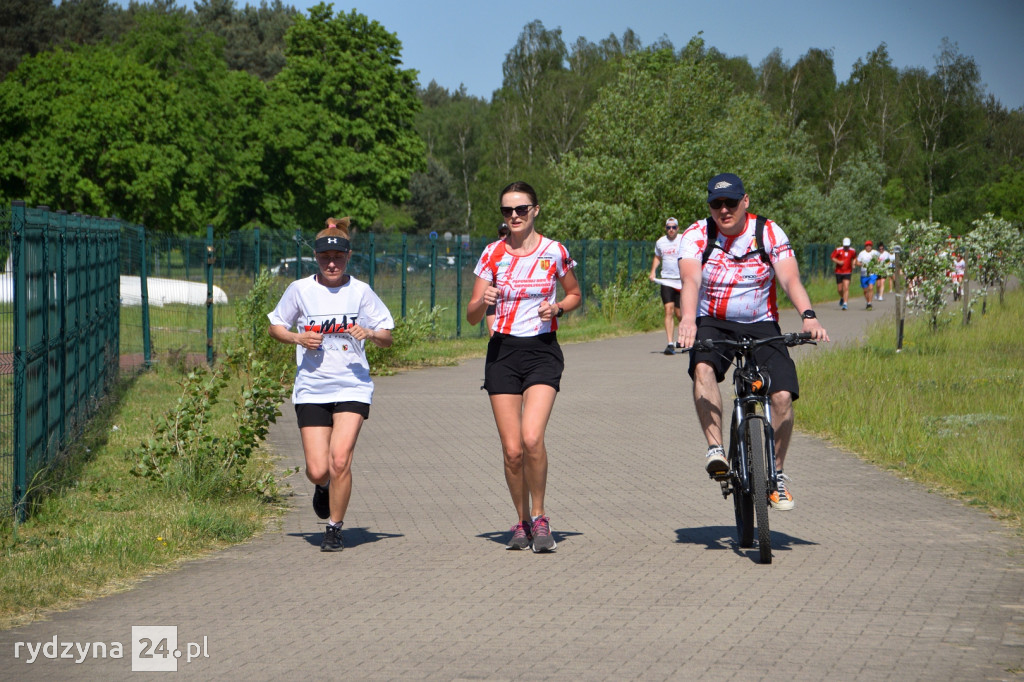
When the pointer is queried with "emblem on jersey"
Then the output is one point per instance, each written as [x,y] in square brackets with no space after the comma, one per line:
[544,263]
[344,346]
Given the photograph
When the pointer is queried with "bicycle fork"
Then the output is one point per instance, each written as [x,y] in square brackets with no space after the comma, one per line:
[747,416]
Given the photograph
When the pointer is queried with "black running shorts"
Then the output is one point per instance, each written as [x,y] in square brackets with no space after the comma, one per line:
[322,414]
[514,363]
[773,358]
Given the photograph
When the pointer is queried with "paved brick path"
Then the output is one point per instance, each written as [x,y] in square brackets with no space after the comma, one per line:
[873,576]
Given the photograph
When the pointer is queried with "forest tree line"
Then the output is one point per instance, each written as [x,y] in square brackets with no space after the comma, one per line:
[177,118]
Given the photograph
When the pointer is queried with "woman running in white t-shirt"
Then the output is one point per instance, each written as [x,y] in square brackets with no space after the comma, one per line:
[523,370]
[334,315]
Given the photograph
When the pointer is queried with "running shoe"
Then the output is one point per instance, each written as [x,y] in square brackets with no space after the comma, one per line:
[670,349]
[543,540]
[332,539]
[844,306]
[321,502]
[781,499]
[715,462]
[521,536]
[869,307]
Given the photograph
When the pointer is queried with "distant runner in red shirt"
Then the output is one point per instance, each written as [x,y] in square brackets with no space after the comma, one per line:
[843,257]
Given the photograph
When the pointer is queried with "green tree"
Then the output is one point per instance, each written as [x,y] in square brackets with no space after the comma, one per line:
[654,137]
[338,131]
[855,207]
[253,36]
[946,106]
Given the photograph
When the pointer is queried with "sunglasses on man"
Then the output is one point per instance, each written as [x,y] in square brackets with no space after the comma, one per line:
[716,204]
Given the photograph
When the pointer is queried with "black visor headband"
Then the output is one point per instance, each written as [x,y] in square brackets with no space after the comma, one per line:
[331,244]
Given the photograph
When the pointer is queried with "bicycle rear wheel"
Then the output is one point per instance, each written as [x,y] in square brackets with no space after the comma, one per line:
[759,486]
[743,503]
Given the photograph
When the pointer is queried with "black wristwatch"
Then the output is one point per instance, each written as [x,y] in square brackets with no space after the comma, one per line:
[561,311]
[808,315]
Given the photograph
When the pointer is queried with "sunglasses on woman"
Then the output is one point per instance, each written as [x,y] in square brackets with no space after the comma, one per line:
[728,203]
[506,211]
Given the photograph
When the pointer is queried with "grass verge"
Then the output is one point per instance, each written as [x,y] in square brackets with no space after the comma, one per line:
[98,529]
[945,411]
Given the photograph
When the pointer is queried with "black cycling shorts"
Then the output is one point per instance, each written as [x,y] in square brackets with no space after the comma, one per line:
[773,358]
[322,414]
[670,295]
[514,363]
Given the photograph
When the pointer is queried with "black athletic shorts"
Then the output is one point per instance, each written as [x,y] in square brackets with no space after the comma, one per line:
[670,295]
[514,363]
[841,278]
[322,414]
[773,358]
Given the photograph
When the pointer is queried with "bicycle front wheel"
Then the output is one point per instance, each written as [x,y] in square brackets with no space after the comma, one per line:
[743,502]
[759,486]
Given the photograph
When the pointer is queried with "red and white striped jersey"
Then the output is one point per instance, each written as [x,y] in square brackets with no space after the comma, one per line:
[523,282]
[736,283]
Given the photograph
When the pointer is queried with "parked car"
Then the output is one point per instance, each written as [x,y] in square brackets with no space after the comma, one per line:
[286,267]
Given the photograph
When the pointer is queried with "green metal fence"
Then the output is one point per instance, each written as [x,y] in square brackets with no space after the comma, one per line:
[62,319]
[82,298]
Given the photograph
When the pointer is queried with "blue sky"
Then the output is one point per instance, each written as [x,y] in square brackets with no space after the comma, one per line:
[455,41]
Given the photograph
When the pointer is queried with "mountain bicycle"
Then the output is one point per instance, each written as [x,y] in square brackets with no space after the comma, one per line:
[751,476]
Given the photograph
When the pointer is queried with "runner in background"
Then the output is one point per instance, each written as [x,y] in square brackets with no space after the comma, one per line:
[666,254]
[843,257]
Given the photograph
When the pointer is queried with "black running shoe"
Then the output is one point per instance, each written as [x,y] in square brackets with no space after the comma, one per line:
[321,502]
[670,349]
[332,539]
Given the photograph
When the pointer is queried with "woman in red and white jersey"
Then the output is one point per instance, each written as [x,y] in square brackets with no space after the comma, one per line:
[523,371]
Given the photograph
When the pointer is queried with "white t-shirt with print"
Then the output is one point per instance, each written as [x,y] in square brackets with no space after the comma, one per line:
[736,284]
[668,251]
[523,282]
[338,370]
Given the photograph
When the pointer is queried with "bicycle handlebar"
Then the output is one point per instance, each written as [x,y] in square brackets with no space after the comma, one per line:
[790,339]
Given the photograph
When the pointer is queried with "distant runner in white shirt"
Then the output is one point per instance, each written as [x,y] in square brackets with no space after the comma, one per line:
[666,254]
[334,315]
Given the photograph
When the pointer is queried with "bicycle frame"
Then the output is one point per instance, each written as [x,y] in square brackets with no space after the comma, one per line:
[745,416]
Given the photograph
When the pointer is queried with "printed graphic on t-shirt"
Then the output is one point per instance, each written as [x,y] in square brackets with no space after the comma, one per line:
[335,328]
[736,284]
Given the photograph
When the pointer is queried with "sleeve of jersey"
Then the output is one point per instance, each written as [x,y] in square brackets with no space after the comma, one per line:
[287,312]
[778,243]
[377,314]
[485,267]
[694,239]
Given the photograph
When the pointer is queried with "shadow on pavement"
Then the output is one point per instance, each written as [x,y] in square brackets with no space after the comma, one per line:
[502,537]
[724,537]
[353,537]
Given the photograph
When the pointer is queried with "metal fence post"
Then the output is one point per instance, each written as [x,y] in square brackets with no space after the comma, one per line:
[210,251]
[405,270]
[20,339]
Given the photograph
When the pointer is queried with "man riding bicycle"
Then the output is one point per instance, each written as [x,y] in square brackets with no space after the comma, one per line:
[729,292]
